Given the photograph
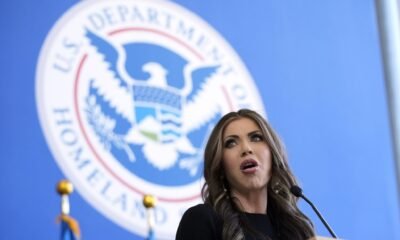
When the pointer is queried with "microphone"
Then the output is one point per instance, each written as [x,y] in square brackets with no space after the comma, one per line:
[298,192]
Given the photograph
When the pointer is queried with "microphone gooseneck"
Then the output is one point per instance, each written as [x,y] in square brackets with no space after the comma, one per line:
[298,192]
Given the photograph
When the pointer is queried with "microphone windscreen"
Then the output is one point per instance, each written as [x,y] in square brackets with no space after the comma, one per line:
[296,190]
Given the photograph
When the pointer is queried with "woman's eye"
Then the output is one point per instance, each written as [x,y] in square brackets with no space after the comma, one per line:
[229,143]
[257,137]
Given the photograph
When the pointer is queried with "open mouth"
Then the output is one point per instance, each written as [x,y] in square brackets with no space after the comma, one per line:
[248,166]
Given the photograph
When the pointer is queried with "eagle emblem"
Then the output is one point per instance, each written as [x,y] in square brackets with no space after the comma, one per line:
[151,108]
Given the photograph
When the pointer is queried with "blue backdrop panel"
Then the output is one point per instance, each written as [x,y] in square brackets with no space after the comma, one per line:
[318,68]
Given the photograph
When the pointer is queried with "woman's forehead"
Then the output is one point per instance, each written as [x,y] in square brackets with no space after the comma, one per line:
[241,125]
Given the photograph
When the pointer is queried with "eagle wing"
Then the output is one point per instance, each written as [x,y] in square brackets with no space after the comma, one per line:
[202,104]
[107,78]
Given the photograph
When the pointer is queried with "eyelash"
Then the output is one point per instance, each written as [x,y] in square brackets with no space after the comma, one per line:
[228,143]
[257,135]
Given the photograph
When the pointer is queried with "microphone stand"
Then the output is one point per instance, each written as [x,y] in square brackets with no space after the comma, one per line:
[319,215]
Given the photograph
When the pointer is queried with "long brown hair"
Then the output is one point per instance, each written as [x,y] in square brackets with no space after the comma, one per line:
[287,220]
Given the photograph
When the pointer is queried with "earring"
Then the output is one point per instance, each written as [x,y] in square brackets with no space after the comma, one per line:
[224,187]
[276,188]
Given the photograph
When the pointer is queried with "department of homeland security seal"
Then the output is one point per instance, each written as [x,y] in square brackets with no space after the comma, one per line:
[127,93]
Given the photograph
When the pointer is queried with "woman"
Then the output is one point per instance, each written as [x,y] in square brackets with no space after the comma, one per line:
[247,186]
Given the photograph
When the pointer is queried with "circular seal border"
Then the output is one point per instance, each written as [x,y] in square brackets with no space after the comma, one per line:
[50,39]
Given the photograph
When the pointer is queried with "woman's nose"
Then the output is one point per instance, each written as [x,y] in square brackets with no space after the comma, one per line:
[246,149]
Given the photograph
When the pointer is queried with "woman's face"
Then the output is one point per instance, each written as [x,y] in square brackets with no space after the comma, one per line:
[246,156]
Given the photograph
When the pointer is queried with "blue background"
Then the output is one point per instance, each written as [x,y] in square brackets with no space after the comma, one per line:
[318,68]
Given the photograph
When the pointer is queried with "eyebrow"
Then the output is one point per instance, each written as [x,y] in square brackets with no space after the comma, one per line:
[236,136]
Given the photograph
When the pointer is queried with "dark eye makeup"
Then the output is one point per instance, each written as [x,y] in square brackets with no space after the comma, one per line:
[257,137]
[229,143]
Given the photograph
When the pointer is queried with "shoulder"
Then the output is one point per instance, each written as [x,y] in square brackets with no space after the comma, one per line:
[201,214]
[201,210]
[199,222]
